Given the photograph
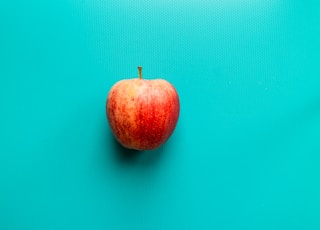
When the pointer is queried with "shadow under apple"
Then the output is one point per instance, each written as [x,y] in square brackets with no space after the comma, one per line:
[132,157]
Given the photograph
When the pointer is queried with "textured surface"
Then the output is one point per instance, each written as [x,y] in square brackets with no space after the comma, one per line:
[245,152]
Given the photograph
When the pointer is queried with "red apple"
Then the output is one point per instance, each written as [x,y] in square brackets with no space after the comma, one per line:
[142,114]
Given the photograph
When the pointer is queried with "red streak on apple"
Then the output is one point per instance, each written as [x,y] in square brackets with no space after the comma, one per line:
[142,114]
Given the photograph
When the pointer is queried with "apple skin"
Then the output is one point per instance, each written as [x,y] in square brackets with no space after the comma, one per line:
[142,114]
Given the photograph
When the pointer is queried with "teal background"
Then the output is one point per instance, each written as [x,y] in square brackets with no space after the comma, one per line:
[244,155]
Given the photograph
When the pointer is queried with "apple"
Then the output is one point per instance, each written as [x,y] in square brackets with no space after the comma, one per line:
[142,114]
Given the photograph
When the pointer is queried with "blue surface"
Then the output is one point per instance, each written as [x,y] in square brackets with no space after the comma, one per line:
[246,150]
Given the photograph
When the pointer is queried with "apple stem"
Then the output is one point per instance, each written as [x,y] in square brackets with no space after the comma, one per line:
[140,72]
